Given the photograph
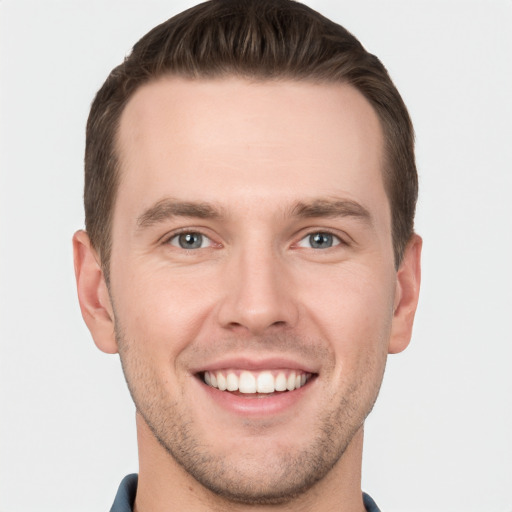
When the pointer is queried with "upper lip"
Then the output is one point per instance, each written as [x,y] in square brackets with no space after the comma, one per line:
[256,364]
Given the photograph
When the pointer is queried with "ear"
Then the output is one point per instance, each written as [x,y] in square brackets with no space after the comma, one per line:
[406,297]
[93,293]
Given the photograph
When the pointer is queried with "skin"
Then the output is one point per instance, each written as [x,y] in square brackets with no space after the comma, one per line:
[255,168]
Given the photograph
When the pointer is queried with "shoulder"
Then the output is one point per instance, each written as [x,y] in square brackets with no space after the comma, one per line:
[125,496]
[369,504]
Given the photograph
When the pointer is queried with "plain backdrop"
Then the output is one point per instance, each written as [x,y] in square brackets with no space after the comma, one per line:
[440,437]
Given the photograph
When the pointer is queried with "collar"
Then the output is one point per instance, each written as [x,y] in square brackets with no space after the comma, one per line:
[125,497]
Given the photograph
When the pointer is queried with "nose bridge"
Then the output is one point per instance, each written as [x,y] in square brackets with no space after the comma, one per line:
[258,293]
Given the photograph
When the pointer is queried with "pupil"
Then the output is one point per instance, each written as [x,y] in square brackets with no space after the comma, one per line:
[321,240]
[191,240]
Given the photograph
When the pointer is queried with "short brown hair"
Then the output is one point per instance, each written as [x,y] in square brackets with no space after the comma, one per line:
[264,39]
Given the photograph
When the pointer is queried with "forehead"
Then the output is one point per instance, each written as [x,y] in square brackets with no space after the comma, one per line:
[202,139]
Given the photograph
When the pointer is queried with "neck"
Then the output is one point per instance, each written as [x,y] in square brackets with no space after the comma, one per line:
[164,485]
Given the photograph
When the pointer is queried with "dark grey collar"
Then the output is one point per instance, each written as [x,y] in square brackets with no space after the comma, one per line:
[126,496]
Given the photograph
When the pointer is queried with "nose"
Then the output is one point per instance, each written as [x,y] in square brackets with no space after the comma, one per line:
[258,294]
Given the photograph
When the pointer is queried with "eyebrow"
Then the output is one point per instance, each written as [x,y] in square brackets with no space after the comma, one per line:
[169,208]
[332,208]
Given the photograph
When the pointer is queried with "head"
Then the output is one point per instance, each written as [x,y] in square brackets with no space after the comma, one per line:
[250,191]
[268,40]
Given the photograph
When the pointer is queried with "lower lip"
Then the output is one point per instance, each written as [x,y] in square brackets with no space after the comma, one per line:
[257,405]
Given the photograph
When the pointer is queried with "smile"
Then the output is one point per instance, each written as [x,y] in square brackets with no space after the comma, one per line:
[261,382]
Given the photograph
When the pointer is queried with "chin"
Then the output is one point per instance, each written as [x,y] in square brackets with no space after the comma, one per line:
[265,475]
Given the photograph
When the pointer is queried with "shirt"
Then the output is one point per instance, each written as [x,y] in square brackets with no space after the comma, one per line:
[126,497]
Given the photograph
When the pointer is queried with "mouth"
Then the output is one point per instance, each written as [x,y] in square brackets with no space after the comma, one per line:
[256,384]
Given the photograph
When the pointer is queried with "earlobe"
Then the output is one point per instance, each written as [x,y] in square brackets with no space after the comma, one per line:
[407,294]
[93,294]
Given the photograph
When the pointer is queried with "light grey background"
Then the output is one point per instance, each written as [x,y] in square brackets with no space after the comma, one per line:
[440,437]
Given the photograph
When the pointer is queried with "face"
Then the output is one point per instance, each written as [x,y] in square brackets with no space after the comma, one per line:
[252,277]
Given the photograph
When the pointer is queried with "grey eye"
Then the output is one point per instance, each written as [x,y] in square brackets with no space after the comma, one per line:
[191,240]
[320,240]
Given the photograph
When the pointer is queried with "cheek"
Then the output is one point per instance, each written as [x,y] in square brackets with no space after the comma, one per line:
[354,313]
[356,322]
[162,310]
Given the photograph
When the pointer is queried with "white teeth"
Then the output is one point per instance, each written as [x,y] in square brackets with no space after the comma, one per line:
[264,382]
[281,382]
[247,383]
[221,382]
[232,382]
[290,382]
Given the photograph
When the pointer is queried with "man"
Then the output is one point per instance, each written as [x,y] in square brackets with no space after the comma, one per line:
[250,189]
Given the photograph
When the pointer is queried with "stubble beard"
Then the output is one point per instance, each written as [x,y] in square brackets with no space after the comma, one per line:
[258,479]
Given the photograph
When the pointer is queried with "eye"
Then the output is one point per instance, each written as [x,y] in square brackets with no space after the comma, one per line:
[190,240]
[319,240]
